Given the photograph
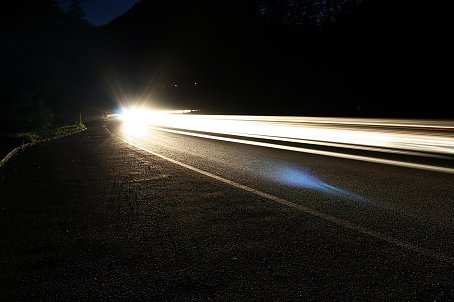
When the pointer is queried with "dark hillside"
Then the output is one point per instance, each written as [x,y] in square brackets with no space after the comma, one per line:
[371,56]
[305,57]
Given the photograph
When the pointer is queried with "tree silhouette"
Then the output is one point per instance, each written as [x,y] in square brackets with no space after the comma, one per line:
[76,10]
[44,58]
[304,12]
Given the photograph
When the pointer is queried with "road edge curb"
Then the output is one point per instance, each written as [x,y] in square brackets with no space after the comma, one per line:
[25,146]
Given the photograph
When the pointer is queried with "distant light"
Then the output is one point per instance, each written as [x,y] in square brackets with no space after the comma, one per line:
[176,85]
[135,121]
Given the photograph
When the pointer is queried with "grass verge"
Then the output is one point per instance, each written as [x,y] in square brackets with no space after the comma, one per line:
[11,143]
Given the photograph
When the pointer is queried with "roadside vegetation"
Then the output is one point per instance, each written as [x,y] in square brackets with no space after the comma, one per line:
[34,136]
[12,140]
[47,54]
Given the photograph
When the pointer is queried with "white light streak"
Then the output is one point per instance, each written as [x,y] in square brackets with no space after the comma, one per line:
[395,136]
[413,137]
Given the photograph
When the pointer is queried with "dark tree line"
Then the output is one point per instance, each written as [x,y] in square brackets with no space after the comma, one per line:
[305,13]
[316,57]
[244,53]
[45,52]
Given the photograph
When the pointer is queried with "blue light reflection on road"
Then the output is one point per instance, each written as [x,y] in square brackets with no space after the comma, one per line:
[305,179]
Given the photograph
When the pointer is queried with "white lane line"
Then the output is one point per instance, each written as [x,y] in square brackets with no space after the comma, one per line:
[337,221]
[318,152]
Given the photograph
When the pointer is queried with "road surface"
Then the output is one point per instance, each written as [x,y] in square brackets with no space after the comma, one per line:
[400,201]
[166,216]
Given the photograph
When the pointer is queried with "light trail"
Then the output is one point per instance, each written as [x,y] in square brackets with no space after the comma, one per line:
[318,152]
[424,138]
[389,135]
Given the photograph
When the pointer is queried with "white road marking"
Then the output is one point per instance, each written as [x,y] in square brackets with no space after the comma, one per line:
[337,221]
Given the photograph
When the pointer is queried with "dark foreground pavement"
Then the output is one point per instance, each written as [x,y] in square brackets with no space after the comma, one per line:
[87,218]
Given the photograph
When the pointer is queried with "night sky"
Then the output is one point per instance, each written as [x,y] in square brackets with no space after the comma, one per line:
[100,12]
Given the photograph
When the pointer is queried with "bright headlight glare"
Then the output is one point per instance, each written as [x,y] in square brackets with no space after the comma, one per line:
[136,121]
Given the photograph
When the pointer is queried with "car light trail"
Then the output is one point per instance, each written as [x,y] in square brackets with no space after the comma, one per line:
[428,138]
[397,135]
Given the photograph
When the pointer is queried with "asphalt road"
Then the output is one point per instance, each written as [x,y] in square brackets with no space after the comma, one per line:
[377,196]
[183,218]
